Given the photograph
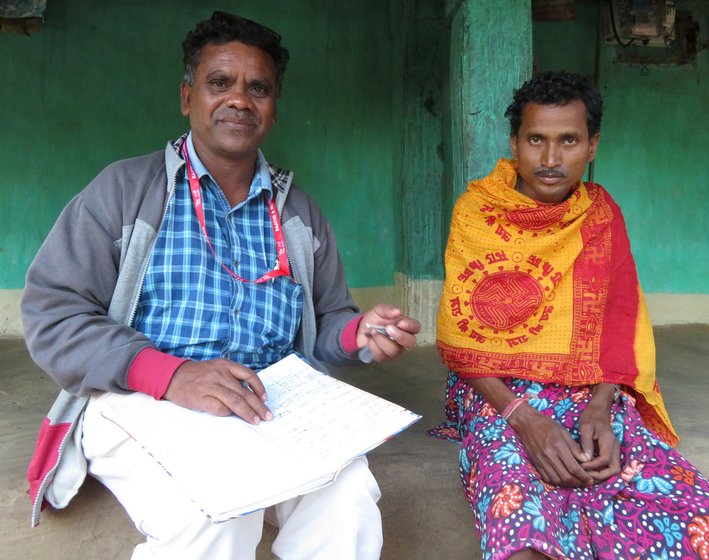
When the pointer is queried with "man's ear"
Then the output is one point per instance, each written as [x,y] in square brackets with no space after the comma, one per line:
[185,92]
[594,146]
[513,145]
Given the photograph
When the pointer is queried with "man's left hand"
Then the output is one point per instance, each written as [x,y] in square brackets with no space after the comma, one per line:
[400,331]
[597,438]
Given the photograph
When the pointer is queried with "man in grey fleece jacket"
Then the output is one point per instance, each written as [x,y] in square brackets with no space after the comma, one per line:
[91,291]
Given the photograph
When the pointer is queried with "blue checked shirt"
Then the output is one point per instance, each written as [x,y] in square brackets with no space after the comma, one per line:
[191,307]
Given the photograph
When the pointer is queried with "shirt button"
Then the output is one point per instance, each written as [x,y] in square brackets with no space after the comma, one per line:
[235,263]
[236,312]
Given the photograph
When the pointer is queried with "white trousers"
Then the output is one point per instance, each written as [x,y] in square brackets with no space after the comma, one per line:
[338,522]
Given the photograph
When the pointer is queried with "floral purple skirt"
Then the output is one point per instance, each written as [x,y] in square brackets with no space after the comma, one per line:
[657,508]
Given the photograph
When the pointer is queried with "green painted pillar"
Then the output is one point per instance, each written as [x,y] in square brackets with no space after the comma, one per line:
[421,161]
[491,55]
[460,61]
[421,42]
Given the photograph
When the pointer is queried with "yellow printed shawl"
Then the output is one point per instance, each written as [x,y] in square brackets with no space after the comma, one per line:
[547,292]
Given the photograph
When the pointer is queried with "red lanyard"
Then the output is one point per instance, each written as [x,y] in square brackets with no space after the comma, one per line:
[282,268]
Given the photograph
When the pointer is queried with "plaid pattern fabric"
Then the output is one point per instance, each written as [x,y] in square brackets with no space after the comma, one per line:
[191,307]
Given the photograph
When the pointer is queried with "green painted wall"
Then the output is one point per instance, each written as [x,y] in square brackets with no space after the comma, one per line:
[100,82]
[653,151]
[389,109]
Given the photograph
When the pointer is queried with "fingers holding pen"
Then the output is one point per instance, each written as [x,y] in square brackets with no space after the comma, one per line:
[219,387]
[400,333]
[387,342]
[387,332]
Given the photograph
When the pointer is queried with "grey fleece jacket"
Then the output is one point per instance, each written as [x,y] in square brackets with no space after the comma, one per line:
[83,287]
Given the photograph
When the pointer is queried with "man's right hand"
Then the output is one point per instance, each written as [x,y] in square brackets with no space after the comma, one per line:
[215,386]
[551,448]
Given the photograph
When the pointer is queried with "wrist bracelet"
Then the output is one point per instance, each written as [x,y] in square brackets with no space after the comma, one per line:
[512,406]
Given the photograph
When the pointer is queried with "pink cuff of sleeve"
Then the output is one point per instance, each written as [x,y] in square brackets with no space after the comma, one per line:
[349,335]
[152,371]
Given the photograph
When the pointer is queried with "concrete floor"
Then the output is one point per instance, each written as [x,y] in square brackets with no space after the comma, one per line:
[425,514]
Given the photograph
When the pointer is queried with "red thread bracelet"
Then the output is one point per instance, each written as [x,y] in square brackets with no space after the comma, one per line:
[512,406]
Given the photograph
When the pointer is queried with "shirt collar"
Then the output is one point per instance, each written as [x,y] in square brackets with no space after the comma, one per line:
[260,182]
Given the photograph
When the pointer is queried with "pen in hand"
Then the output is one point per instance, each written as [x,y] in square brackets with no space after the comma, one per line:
[381,329]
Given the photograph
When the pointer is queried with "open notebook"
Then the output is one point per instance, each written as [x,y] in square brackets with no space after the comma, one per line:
[230,468]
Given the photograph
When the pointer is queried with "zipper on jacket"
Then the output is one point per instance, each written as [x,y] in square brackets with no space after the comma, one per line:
[170,198]
[299,342]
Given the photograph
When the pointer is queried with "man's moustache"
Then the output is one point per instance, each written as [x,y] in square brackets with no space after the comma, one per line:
[549,172]
[243,116]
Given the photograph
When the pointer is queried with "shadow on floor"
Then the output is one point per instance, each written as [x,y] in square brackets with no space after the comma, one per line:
[425,515]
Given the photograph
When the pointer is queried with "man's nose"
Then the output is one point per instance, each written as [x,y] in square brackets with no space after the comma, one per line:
[239,98]
[551,156]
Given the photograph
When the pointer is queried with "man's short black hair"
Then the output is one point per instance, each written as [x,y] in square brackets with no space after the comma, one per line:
[557,88]
[224,28]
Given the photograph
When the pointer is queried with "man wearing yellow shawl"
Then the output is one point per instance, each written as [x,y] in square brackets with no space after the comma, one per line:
[565,448]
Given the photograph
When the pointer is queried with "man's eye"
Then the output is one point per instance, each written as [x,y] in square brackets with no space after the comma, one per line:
[534,140]
[218,84]
[259,90]
[570,140]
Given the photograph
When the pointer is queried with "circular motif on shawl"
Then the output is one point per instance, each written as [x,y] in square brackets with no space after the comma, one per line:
[506,299]
[537,218]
